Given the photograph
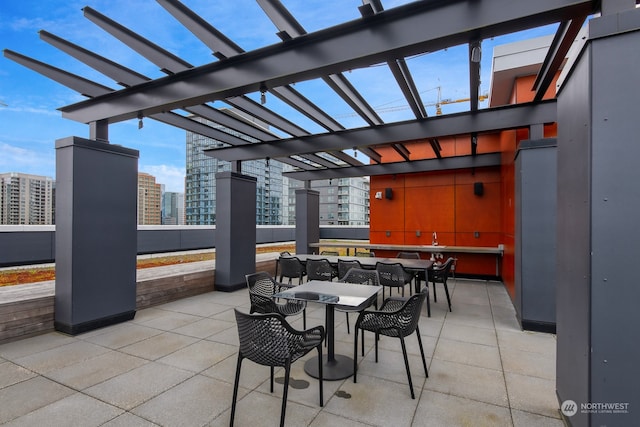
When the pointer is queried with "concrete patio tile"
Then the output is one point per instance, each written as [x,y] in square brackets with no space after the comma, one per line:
[228,315]
[17,349]
[76,410]
[438,410]
[204,328]
[391,367]
[468,353]
[170,320]
[469,334]
[534,342]
[194,402]
[27,396]
[121,335]
[326,419]
[228,336]
[459,317]
[471,382]
[195,307]
[159,345]
[374,401]
[475,310]
[93,371]
[532,394]
[199,356]
[138,385]
[147,314]
[526,419]
[263,410]
[127,419]
[61,356]
[529,363]
[10,374]
[251,375]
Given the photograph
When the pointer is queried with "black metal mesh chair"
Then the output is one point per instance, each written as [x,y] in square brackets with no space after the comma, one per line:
[361,277]
[397,317]
[319,269]
[261,289]
[344,266]
[291,268]
[439,274]
[393,275]
[418,275]
[268,340]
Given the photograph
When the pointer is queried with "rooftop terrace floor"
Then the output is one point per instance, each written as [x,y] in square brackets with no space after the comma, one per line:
[174,365]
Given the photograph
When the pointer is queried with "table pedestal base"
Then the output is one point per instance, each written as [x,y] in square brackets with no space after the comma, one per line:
[339,368]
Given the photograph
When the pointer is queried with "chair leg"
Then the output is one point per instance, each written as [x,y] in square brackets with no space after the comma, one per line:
[287,371]
[272,371]
[377,339]
[355,353]
[362,343]
[304,319]
[435,297]
[446,290]
[406,365]
[347,314]
[320,377]
[235,390]
[424,362]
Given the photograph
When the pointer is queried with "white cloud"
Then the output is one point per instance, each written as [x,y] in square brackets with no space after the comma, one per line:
[171,176]
[18,159]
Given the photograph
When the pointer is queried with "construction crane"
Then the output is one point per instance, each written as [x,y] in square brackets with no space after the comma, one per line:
[445,101]
[438,104]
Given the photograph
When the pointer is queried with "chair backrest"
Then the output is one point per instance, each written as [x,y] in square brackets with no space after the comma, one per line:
[261,283]
[391,274]
[263,338]
[440,273]
[366,254]
[344,266]
[408,255]
[291,267]
[409,315]
[319,269]
[330,253]
[361,276]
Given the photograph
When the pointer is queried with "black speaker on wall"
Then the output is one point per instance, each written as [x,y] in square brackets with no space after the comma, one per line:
[478,188]
[388,193]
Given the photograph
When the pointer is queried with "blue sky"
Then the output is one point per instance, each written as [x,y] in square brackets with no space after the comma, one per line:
[30,122]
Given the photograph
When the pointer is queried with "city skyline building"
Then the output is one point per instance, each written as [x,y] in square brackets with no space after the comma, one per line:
[26,199]
[172,208]
[343,201]
[149,197]
[200,188]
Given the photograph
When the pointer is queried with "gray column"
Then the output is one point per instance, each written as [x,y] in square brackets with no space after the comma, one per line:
[598,233]
[307,220]
[535,237]
[96,197]
[235,230]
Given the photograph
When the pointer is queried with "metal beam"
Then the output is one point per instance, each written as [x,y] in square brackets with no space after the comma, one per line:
[407,30]
[485,120]
[429,165]
[127,77]
[562,41]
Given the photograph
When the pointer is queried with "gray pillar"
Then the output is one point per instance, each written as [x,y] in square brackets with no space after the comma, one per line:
[535,237]
[235,230]
[307,220]
[96,240]
[598,234]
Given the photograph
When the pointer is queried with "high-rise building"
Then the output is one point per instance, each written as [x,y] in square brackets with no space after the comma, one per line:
[149,195]
[172,208]
[343,201]
[26,199]
[200,185]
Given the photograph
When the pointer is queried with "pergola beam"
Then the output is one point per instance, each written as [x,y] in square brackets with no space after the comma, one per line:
[407,30]
[486,120]
[429,165]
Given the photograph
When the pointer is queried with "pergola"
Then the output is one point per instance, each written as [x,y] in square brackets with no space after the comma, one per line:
[597,142]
